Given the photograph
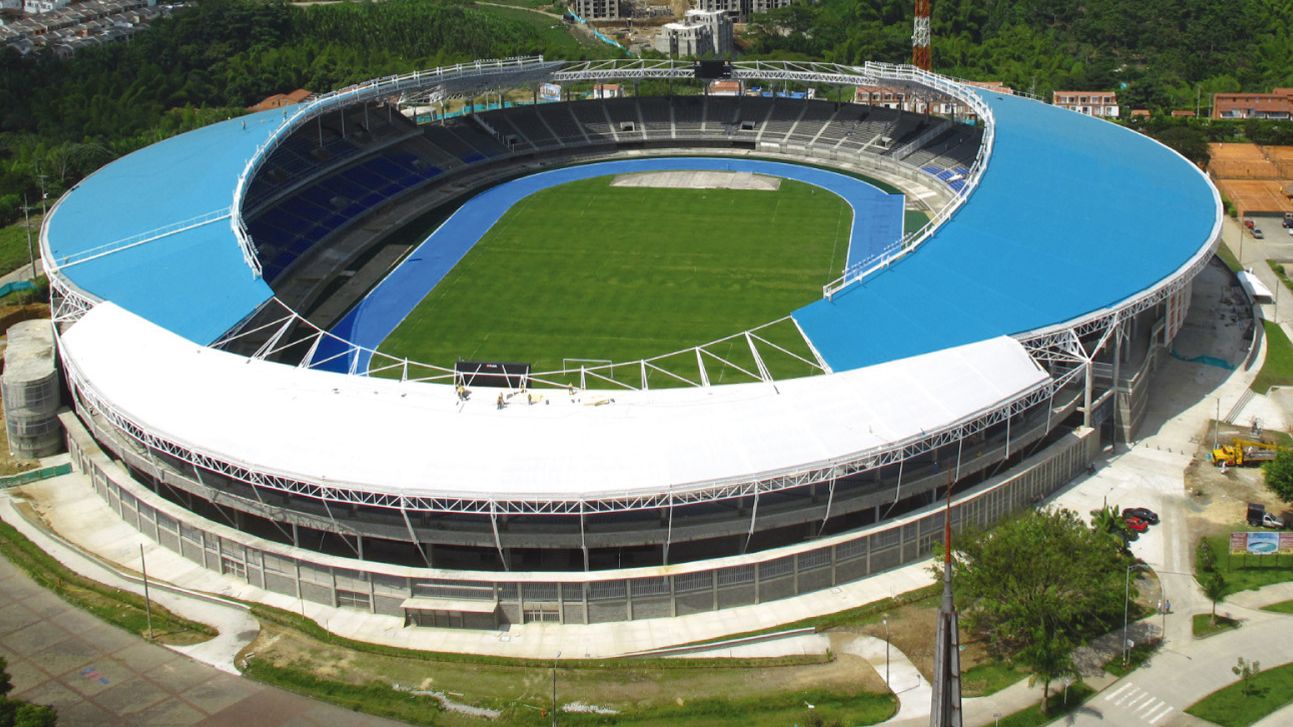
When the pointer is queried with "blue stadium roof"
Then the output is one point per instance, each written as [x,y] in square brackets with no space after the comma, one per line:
[1073,214]
[194,283]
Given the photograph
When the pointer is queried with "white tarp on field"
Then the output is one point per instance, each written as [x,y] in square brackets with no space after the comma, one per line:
[418,439]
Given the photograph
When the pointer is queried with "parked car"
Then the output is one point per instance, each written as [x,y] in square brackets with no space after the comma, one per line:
[1137,525]
[1258,234]
[1143,513]
[1248,223]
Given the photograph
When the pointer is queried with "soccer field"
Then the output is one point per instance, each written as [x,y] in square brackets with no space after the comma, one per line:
[586,270]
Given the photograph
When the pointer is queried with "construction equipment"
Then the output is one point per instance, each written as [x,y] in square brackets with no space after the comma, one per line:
[1243,451]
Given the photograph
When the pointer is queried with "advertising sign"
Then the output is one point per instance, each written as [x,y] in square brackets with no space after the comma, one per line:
[1261,543]
[549,92]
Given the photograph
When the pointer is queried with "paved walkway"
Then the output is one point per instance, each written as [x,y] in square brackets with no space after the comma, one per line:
[77,513]
[96,674]
[1151,473]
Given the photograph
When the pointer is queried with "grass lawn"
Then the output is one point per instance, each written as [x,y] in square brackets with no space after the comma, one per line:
[1249,572]
[1203,626]
[643,691]
[1277,369]
[1058,705]
[1281,607]
[13,244]
[1137,656]
[1230,707]
[1229,258]
[586,270]
[989,677]
[120,608]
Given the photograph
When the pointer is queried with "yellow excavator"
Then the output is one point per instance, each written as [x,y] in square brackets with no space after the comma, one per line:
[1243,451]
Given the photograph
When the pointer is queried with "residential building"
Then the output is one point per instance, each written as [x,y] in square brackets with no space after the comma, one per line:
[1278,104]
[36,7]
[702,32]
[597,9]
[893,98]
[1092,103]
[739,10]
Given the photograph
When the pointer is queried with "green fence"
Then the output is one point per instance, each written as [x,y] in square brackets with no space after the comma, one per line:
[43,473]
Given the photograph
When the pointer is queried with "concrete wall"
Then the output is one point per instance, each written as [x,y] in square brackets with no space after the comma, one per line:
[30,390]
[580,597]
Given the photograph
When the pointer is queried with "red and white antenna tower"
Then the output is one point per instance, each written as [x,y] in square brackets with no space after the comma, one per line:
[920,37]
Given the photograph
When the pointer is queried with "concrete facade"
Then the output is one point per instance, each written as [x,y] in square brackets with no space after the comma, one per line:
[483,600]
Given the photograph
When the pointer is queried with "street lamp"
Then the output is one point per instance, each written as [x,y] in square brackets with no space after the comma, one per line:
[1126,605]
[554,688]
[886,652]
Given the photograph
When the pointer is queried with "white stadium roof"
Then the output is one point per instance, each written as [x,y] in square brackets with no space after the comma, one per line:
[417,439]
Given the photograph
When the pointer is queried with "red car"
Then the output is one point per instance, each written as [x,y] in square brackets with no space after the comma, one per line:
[1137,525]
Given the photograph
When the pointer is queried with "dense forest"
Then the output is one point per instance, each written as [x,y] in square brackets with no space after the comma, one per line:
[1158,53]
[62,118]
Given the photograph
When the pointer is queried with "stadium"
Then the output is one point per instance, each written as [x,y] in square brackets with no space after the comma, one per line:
[393,351]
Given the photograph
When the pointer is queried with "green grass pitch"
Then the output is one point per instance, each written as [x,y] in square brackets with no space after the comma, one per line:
[587,270]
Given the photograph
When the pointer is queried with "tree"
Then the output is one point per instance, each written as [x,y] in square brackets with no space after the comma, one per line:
[1034,610]
[1109,520]
[1279,475]
[1205,558]
[1214,587]
[1247,671]
[1050,656]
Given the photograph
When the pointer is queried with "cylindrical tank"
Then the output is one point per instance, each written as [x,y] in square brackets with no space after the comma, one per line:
[30,390]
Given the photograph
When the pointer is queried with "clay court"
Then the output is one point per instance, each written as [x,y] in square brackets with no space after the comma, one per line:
[1254,178]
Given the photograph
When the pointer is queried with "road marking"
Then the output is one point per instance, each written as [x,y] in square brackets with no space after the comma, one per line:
[1161,715]
[1117,692]
[1149,707]
[1143,696]
[1135,692]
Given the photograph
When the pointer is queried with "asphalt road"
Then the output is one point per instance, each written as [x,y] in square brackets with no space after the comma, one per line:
[97,674]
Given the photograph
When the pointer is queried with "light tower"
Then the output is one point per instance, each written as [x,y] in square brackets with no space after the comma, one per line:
[920,57]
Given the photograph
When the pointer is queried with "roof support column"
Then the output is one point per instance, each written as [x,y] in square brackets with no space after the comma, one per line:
[498,542]
[412,534]
[830,498]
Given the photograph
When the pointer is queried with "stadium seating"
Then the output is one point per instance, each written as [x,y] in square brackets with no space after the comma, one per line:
[329,174]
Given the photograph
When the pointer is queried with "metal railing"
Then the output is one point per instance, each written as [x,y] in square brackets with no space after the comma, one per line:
[890,73]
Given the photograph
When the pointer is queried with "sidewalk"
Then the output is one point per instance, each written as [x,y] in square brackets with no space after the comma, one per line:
[236,626]
[77,513]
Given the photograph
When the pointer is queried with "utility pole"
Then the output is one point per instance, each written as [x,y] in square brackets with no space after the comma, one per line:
[554,689]
[148,602]
[31,255]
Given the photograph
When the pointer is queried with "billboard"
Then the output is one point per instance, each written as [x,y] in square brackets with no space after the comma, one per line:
[549,92]
[1261,543]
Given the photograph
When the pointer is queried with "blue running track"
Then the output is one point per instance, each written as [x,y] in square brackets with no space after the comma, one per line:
[877,223]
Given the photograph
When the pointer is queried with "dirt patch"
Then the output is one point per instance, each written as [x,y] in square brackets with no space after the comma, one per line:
[1219,500]
[699,180]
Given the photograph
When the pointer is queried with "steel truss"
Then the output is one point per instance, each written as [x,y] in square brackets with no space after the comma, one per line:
[1061,345]
[557,504]
[289,330]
